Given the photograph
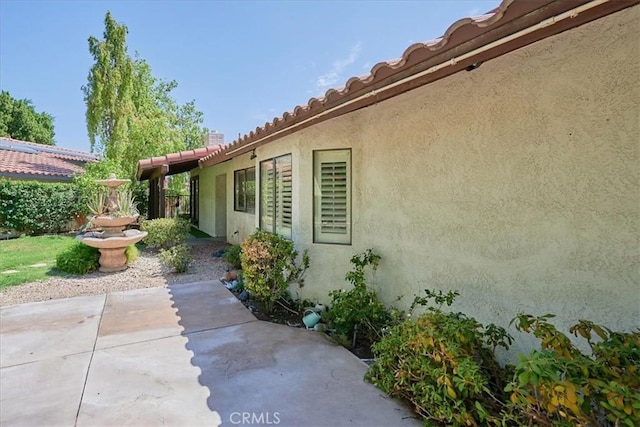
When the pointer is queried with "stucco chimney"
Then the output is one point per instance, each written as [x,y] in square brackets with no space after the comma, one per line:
[213,138]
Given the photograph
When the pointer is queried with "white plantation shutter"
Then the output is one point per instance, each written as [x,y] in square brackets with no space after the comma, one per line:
[333,199]
[266,195]
[332,196]
[250,190]
[276,204]
[283,196]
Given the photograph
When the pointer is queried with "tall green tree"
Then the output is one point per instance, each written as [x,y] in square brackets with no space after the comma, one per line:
[109,90]
[132,115]
[20,120]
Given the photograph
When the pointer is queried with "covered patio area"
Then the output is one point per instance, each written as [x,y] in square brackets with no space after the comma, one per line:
[157,169]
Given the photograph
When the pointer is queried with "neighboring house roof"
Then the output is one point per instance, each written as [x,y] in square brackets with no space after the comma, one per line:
[174,163]
[467,43]
[28,160]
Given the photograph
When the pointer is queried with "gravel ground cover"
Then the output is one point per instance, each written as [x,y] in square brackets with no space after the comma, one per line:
[145,272]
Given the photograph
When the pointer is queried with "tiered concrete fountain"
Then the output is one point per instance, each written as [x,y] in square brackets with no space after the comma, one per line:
[113,240]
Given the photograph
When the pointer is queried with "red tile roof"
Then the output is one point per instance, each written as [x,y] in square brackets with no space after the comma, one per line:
[460,48]
[28,160]
[182,161]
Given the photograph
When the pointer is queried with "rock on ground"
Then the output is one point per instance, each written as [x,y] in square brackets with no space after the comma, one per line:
[145,272]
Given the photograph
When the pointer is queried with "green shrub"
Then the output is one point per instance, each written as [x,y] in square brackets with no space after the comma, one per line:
[165,233]
[37,207]
[559,385]
[132,253]
[78,259]
[177,257]
[358,309]
[99,204]
[141,196]
[269,266]
[441,364]
[232,256]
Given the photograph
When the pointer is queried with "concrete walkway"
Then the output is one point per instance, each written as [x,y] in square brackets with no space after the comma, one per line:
[184,355]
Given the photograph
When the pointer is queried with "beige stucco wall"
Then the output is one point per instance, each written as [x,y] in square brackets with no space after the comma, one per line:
[516,184]
[239,224]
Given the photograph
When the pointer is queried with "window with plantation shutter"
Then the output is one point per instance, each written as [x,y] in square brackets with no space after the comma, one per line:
[276,204]
[332,196]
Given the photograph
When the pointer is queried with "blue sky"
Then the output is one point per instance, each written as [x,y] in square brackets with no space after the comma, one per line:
[243,62]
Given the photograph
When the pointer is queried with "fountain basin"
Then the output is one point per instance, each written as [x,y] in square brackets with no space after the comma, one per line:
[112,257]
[111,221]
[112,181]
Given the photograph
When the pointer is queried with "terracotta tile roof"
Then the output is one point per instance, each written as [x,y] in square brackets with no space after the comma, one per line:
[28,160]
[465,44]
[182,161]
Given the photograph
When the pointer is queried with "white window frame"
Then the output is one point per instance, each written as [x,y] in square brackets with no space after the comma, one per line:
[327,227]
[276,195]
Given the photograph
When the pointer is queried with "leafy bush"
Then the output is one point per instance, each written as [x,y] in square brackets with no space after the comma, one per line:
[358,310]
[441,364]
[78,259]
[97,203]
[141,196]
[269,266]
[559,385]
[127,205]
[165,232]
[132,253]
[87,186]
[37,207]
[177,257]
[232,256]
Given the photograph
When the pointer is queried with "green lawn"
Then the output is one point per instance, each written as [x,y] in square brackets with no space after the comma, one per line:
[20,254]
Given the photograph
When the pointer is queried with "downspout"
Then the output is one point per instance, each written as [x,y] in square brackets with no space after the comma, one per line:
[540,25]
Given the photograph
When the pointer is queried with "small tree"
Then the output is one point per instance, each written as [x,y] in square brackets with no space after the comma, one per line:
[269,266]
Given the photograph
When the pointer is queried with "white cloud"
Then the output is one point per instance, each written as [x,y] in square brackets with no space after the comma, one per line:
[334,75]
[474,12]
[327,80]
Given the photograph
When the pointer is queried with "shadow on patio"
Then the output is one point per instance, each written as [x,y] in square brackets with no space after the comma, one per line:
[261,373]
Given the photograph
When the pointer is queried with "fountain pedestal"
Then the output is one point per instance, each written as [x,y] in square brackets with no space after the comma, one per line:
[112,242]
[112,260]
[112,249]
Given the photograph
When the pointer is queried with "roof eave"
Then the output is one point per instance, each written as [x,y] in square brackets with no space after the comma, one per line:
[461,38]
[174,163]
[37,177]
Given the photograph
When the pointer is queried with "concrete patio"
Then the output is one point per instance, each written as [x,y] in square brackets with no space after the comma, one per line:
[184,355]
